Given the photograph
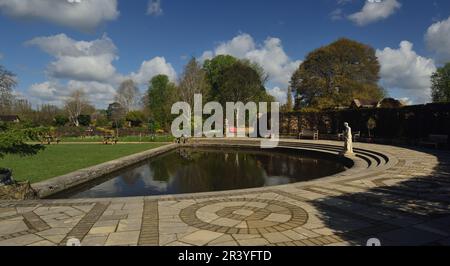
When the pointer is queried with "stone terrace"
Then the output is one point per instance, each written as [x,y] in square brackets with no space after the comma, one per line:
[399,195]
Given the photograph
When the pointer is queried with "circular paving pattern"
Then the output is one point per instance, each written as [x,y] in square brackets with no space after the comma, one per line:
[244,216]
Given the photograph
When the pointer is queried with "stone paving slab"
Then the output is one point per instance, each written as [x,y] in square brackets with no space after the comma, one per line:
[405,200]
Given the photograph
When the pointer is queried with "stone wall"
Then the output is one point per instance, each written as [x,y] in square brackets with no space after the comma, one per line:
[408,123]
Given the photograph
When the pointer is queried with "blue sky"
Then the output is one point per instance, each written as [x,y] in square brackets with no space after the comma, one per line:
[55,46]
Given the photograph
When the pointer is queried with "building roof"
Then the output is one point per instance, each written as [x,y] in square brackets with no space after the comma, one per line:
[385,103]
[364,103]
[9,118]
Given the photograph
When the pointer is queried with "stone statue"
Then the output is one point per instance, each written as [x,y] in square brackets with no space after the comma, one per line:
[348,138]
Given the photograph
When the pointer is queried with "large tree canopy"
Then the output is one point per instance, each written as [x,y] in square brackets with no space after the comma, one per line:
[214,69]
[333,75]
[240,82]
[233,80]
[441,84]
[161,97]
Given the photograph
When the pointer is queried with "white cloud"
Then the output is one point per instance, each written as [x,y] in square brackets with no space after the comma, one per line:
[239,46]
[154,8]
[337,14]
[96,91]
[153,67]
[88,65]
[79,60]
[46,91]
[375,11]
[405,71]
[438,40]
[406,101]
[84,15]
[54,92]
[206,56]
[270,55]
[274,60]
[279,94]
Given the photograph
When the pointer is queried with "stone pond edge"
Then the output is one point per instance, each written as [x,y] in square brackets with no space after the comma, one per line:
[59,184]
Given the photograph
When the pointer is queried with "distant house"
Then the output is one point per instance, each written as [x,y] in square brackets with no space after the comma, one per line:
[390,103]
[385,103]
[10,118]
[358,104]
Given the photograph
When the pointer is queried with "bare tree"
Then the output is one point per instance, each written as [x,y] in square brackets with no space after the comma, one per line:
[193,81]
[75,105]
[7,84]
[23,108]
[127,95]
[46,114]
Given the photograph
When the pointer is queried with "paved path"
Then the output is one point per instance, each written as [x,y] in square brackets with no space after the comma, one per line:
[100,143]
[398,195]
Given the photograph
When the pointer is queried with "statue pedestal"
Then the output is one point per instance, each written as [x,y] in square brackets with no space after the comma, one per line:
[347,154]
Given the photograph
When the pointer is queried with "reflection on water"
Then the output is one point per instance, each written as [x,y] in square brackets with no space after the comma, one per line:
[203,170]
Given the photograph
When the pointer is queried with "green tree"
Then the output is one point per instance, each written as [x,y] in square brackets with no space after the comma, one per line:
[289,106]
[441,84]
[84,120]
[221,68]
[60,120]
[215,68]
[162,94]
[136,118]
[264,77]
[153,126]
[240,82]
[13,140]
[100,118]
[116,113]
[333,75]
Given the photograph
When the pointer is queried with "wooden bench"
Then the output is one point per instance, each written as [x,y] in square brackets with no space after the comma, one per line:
[307,133]
[50,139]
[110,139]
[435,141]
[181,140]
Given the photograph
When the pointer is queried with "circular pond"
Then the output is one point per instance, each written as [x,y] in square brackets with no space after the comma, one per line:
[192,170]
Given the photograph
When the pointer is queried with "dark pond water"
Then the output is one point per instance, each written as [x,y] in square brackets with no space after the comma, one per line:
[206,169]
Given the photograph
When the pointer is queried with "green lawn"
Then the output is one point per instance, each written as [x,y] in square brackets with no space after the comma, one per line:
[157,138]
[62,159]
